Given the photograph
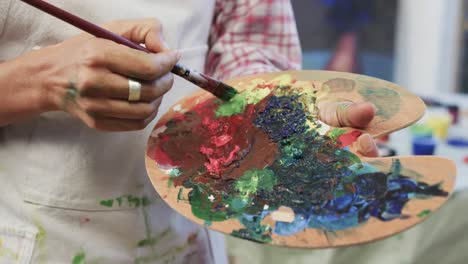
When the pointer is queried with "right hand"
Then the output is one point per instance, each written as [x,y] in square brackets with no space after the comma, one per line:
[88,77]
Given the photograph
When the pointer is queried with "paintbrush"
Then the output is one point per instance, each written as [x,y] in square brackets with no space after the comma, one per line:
[217,88]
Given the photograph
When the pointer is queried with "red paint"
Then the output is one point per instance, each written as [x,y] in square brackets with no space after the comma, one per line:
[84,220]
[221,140]
[465,160]
[161,156]
[217,140]
[349,138]
[266,85]
[206,148]
[225,137]
[384,138]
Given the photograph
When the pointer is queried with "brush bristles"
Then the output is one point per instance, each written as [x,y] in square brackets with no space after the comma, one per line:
[225,92]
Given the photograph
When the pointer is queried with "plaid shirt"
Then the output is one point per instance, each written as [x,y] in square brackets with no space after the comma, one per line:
[252,36]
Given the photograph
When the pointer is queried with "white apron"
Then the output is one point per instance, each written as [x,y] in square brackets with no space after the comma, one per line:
[70,194]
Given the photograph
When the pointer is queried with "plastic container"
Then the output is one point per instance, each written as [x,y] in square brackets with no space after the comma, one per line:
[424,145]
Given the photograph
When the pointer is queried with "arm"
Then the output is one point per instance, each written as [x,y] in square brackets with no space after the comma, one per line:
[249,37]
[16,101]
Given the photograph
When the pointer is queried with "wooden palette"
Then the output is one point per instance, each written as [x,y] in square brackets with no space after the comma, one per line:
[396,108]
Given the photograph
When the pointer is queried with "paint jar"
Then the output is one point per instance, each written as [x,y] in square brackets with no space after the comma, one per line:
[458,142]
[454,113]
[439,124]
[421,130]
[423,145]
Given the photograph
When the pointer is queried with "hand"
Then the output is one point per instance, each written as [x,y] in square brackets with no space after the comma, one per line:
[88,77]
[348,114]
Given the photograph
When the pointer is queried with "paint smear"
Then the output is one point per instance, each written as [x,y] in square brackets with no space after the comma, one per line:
[246,158]
[386,100]
[424,213]
[7,252]
[339,85]
[79,258]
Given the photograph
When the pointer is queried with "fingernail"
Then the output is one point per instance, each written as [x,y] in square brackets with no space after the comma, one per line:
[375,107]
[366,143]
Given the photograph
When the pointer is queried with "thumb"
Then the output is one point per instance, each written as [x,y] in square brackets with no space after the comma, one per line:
[346,114]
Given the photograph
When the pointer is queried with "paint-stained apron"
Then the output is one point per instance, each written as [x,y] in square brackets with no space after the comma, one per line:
[70,194]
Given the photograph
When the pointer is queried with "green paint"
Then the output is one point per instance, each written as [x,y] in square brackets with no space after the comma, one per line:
[170,255]
[119,201]
[153,240]
[70,96]
[395,170]
[203,208]
[254,231]
[133,201]
[145,201]
[424,213]
[386,100]
[146,242]
[174,173]
[79,258]
[107,203]
[338,85]
[336,133]
[237,204]
[421,130]
[180,195]
[255,179]
[238,103]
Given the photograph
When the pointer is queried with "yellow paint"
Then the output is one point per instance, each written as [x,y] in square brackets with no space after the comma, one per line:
[439,124]
[7,253]
[40,241]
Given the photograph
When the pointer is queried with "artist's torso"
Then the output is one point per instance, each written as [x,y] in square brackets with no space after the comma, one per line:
[84,190]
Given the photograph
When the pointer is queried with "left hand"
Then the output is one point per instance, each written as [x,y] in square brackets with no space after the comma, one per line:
[349,114]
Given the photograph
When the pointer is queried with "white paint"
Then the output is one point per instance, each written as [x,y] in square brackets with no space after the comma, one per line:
[211,198]
[177,108]
[428,45]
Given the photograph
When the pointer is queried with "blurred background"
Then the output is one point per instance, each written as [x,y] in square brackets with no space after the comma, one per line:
[418,44]
[422,45]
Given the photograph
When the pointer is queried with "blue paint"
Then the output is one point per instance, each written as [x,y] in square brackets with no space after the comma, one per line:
[300,223]
[335,222]
[283,116]
[328,187]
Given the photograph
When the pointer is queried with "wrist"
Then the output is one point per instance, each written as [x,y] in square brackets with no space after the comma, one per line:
[21,92]
[42,80]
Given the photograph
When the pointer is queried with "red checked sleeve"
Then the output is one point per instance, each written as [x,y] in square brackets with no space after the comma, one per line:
[252,36]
